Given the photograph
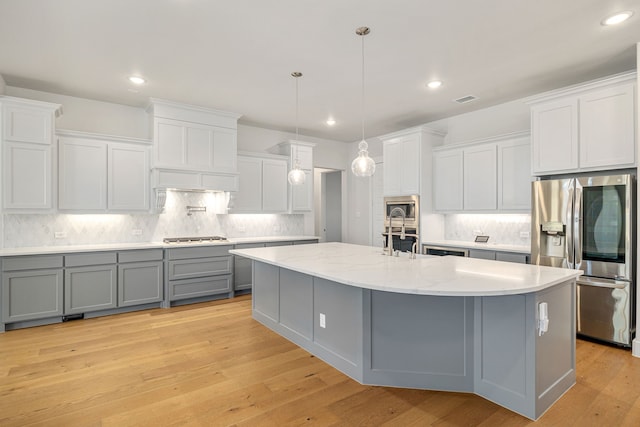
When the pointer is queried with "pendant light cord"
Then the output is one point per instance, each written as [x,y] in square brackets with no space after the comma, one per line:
[362,100]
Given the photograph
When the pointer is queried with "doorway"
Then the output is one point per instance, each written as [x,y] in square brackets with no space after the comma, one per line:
[328,204]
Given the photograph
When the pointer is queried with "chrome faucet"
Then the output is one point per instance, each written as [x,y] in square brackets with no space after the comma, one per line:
[390,234]
[414,250]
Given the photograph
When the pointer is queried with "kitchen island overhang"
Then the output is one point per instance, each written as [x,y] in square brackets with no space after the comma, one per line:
[436,323]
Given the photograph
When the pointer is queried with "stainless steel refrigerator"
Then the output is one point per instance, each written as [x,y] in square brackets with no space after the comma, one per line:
[588,223]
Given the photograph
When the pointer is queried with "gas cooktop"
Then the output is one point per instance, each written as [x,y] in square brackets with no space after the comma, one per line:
[205,239]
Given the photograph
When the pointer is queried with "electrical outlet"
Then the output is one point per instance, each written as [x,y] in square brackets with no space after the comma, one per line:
[524,234]
[323,320]
[136,232]
[60,234]
[241,229]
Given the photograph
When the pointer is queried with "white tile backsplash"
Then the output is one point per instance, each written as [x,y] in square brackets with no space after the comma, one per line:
[24,230]
[503,229]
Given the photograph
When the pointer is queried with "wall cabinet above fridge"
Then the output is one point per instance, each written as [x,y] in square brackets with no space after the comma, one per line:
[585,127]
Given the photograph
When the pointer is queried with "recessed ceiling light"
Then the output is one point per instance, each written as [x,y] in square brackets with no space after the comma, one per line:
[136,80]
[434,84]
[330,122]
[617,18]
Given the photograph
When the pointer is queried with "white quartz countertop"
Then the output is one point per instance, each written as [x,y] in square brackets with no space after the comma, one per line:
[62,249]
[489,246]
[366,267]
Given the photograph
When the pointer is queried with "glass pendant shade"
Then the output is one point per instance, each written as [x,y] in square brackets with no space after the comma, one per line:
[296,175]
[363,165]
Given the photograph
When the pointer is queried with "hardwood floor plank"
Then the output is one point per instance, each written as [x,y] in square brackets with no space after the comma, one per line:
[211,364]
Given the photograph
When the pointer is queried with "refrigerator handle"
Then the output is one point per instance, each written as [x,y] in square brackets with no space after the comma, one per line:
[576,227]
[568,247]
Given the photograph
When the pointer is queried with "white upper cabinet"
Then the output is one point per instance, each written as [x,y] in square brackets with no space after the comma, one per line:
[262,186]
[99,173]
[128,177]
[555,136]
[193,139]
[514,175]
[82,177]
[301,195]
[492,175]
[448,180]
[27,154]
[585,128]
[402,156]
[607,127]
[480,178]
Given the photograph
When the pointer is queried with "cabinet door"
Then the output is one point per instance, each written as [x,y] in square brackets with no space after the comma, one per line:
[512,257]
[90,288]
[198,147]
[26,176]
[480,178]
[554,127]
[28,295]
[169,143]
[28,124]
[248,198]
[302,195]
[410,165]
[225,150]
[128,169]
[514,175]
[274,185]
[392,158]
[140,283]
[242,269]
[447,180]
[482,254]
[82,174]
[607,123]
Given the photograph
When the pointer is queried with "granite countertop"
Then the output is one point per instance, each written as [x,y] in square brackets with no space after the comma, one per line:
[489,246]
[62,249]
[366,267]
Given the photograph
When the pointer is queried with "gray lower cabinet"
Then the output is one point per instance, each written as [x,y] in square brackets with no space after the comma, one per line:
[32,288]
[305,242]
[499,256]
[195,272]
[90,283]
[140,277]
[242,277]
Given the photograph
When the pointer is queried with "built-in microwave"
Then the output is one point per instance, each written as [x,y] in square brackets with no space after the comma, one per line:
[401,210]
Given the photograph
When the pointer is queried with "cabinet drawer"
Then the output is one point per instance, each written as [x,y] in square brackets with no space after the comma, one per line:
[93,258]
[31,262]
[482,254]
[512,257]
[198,252]
[205,286]
[200,267]
[271,244]
[304,242]
[249,245]
[140,255]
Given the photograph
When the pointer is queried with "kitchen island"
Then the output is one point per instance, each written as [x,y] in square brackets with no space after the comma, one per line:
[437,323]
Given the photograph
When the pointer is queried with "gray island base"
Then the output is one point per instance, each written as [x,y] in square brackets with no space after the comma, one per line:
[422,338]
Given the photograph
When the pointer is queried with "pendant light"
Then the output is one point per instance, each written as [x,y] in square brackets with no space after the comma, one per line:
[296,175]
[363,165]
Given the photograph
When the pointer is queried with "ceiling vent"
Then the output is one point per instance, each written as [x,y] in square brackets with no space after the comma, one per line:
[466,99]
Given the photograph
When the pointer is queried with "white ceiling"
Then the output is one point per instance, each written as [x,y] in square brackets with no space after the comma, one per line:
[237,55]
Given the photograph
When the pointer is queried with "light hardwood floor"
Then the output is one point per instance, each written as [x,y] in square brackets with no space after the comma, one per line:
[211,364]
